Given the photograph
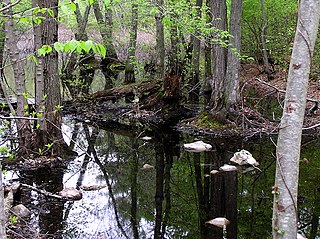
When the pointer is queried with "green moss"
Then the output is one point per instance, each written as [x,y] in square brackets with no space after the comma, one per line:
[205,119]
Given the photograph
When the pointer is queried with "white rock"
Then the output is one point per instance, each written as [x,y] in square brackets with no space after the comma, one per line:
[147,166]
[299,236]
[228,168]
[71,193]
[214,171]
[146,138]
[198,146]
[219,222]
[244,157]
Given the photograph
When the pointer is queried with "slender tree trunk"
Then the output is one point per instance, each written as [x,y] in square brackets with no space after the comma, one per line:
[131,60]
[285,214]
[207,60]
[267,68]
[23,126]
[233,63]
[159,40]
[2,210]
[195,67]
[219,11]
[105,29]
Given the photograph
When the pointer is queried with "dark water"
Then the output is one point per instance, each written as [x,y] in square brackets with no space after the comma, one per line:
[174,196]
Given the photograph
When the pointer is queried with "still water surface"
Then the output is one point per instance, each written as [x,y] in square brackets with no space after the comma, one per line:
[154,189]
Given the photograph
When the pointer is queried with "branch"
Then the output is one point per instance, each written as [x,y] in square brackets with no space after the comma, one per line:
[18,117]
[283,91]
[46,193]
[9,6]
[311,127]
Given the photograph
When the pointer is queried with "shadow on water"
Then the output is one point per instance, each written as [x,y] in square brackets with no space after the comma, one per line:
[148,187]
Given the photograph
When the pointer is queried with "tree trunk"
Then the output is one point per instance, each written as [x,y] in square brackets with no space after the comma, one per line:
[159,40]
[267,68]
[49,35]
[131,60]
[233,62]
[105,29]
[23,126]
[195,67]
[2,210]
[289,140]
[217,102]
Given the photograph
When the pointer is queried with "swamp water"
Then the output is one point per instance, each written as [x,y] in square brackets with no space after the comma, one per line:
[135,187]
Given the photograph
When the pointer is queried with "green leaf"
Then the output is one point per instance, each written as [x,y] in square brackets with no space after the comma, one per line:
[58,46]
[73,6]
[101,50]
[33,58]
[50,12]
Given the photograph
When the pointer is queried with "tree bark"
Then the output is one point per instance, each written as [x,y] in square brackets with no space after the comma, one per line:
[49,35]
[289,139]
[159,40]
[131,60]
[105,29]
[233,62]
[2,210]
[217,102]
[23,126]
[195,67]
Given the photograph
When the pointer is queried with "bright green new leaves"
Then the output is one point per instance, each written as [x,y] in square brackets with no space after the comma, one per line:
[74,46]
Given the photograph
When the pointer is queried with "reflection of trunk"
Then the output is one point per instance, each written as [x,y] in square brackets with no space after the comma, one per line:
[159,190]
[105,174]
[201,205]
[2,41]
[134,187]
[167,193]
[231,191]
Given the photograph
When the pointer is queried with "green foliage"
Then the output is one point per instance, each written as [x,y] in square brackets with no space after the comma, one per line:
[281,23]
[13,219]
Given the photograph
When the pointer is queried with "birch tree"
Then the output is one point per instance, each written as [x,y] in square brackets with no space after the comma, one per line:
[289,139]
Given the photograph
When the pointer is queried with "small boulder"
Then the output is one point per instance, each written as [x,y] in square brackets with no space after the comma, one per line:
[228,168]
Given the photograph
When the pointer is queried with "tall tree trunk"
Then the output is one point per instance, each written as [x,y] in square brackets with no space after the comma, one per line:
[2,210]
[195,66]
[49,35]
[23,126]
[159,40]
[285,214]
[207,60]
[131,60]
[264,50]
[233,62]
[105,29]
[217,102]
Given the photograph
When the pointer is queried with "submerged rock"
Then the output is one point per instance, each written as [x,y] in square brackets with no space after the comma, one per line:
[197,147]
[71,194]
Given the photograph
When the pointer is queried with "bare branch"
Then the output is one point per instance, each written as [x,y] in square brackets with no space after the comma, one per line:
[9,6]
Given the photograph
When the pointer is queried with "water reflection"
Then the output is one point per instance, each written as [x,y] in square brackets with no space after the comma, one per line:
[138,188]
